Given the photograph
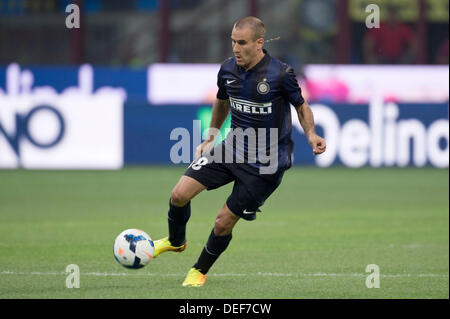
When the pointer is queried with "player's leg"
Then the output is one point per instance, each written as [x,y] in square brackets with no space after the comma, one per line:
[249,193]
[179,214]
[218,240]
[201,174]
[180,208]
[186,189]
[217,243]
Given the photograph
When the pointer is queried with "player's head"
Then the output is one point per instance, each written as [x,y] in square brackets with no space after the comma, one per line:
[247,40]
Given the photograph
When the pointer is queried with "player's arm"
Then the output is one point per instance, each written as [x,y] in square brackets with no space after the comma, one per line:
[293,92]
[306,118]
[220,112]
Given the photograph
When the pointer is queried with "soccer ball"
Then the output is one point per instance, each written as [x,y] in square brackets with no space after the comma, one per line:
[133,248]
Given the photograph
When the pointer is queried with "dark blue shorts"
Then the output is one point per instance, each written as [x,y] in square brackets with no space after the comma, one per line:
[250,189]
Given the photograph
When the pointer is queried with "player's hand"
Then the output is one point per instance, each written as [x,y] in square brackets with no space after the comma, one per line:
[318,144]
[205,147]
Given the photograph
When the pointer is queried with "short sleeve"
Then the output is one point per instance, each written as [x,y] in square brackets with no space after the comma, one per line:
[291,89]
[222,92]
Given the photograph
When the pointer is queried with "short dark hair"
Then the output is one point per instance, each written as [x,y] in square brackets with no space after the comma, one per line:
[255,24]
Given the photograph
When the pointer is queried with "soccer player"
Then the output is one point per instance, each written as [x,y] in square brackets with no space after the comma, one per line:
[258,90]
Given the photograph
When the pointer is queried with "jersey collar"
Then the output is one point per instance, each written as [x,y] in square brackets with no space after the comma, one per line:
[259,64]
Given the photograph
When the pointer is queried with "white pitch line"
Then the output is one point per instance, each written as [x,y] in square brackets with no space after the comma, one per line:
[265,274]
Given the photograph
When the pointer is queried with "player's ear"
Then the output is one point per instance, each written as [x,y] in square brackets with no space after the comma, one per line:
[260,43]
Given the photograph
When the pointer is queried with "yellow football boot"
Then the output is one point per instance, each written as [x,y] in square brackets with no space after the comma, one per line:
[164,245]
[194,278]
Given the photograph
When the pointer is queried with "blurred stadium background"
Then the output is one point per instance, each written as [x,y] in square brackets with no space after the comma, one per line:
[111,94]
[148,52]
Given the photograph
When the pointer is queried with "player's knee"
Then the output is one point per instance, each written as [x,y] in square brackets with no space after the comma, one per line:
[222,227]
[178,198]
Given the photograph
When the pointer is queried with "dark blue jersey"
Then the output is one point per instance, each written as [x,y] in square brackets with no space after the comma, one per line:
[260,100]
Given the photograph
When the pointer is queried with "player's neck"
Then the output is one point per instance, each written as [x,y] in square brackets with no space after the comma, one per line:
[258,58]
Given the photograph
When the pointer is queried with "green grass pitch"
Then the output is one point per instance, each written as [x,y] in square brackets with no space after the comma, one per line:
[314,238]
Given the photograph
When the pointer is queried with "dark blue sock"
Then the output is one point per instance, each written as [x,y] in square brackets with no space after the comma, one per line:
[212,250]
[178,217]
